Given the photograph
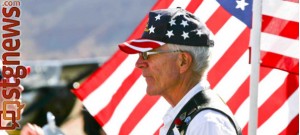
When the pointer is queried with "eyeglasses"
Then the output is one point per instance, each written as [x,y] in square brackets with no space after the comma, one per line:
[145,55]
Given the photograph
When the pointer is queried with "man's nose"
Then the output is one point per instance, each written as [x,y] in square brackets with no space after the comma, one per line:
[141,63]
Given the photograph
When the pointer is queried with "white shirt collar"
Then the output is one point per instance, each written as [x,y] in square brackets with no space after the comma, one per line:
[172,112]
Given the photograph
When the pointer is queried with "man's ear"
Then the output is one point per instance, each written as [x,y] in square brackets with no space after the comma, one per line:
[185,61]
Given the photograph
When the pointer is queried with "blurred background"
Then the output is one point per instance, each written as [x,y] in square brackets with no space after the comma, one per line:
[64,42]
[73,29]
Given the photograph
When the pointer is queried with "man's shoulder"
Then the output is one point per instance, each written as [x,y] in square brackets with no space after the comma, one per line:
[210,122]
[209,115]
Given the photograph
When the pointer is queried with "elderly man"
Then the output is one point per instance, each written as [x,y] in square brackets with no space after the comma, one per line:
[174,53]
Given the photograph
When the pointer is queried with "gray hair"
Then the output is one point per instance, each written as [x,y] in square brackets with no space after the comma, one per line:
[200,56]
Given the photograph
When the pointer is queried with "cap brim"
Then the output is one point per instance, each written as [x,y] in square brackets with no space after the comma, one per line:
[139,45]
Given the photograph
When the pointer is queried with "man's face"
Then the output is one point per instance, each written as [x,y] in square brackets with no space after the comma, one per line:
[161,71]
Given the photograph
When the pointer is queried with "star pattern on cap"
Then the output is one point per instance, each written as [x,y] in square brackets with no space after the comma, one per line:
[178,28]
[185,35]
[199,33]
[170,33]
[184,23]
[172,22]
[157,17]
[151,30]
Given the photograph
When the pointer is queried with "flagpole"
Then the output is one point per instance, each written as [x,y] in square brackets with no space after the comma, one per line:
[255,62]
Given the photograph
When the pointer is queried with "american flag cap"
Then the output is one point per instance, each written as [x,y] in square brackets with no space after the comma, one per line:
[176,26]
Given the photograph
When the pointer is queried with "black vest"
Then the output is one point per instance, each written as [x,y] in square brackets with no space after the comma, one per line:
[205,99]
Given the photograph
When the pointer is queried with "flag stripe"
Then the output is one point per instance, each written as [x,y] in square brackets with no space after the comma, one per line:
[242,114]
[265,90]
[239,96]
[107,111]
[138,113]
[179,3]
[281,9]
[100,76]
[226,91]
[266,128]
[242,93]
[230,56]
[193,5]
[280,45]
[284,115]
[162,105]
[296,1]
[225,40]
[112,83]
[278,98]
[280,36]
[217,20]
[206,9]
[157,131]
[124,109]
[245,129]
[292,127]
[270,59]
[280,27]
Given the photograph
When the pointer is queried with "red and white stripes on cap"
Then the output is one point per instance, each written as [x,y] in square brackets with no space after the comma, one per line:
[140,45]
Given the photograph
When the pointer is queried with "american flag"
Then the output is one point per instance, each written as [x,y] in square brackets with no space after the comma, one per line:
[115,94]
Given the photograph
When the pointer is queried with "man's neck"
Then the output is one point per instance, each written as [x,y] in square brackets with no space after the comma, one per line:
[182,88]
